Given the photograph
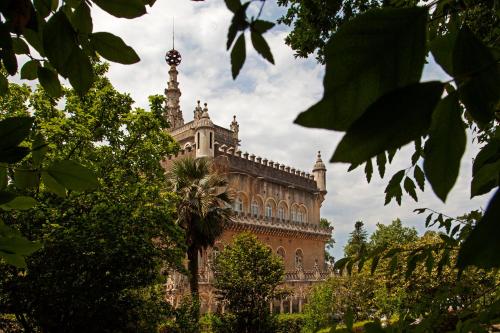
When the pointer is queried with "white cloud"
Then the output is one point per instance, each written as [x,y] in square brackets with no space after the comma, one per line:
[265,99]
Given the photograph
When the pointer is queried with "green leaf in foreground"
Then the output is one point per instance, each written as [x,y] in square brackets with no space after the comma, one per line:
[393,189]
[394,120]
[29,70]
[442,50]
[14,247]
[113,48]
[14,130]
[261,46]
[52,185]
[20,203]
[482,247]
[72,175]
[478,75]
[366,58]
[58,42]
[238,55]
[122,8]
[80,72]
[50,82]
[445,147]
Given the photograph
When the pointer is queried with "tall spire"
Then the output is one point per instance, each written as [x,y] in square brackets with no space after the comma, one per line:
[173,112]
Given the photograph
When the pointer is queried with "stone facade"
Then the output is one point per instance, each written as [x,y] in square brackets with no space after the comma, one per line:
[279,204]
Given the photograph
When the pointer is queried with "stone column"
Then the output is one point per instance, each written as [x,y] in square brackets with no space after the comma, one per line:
[281,306]
[291,304]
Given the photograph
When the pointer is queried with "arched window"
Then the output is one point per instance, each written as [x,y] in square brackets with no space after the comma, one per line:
[238,205]
[281,213]
[255,208]
[294,214]
[269,211]
[298,258]
[281,253]
[300,216]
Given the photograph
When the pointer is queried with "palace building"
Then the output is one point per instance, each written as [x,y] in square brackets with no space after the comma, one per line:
[278,203]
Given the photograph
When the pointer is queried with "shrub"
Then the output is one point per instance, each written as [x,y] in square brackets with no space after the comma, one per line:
[290,323]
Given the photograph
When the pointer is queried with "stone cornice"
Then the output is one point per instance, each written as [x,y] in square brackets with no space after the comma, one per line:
[277,227]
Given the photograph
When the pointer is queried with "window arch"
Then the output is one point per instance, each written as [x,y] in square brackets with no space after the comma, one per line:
[299,256]
[281,253]
[254,208]
[294,213]
[238,205]
[269,210]
[282,210]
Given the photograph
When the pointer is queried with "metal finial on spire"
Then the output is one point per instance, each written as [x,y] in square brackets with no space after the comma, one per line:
[173,57]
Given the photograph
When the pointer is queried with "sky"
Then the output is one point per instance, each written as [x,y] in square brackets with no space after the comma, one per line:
[266,99]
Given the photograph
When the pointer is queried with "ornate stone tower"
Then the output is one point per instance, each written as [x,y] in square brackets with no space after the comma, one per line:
[204,135]
[319,172]
[173,112]
[235,127]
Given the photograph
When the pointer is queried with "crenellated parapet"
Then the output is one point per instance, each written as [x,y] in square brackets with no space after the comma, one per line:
[263,167]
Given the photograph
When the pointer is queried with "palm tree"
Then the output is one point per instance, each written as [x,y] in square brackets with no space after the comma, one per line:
[203,209]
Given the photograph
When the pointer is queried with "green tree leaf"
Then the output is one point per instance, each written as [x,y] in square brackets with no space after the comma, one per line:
[34,39]
[81,19]
[478,76]
[80,72]
[238,55]
[14,247]
[393,189]
[19,46]
[29,70]
[50,82]
[442,50]
[233,5]
[394,120]
[238,23]
[113,48]
[482,247]
[25,178]
[43,7]
[261,26]
[381,161]
[14,130]
[72,175]
[366,58]
[368,170]
[445,147]
[20,203]
[485,179]
[488,154]
[409,187]
[59,41]
[261,46]
[418,174]
[9,61]
[52,185]
[13,155]
[39,149]
[122,8]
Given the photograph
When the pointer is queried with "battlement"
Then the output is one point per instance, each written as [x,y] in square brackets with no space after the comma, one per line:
[263,167]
